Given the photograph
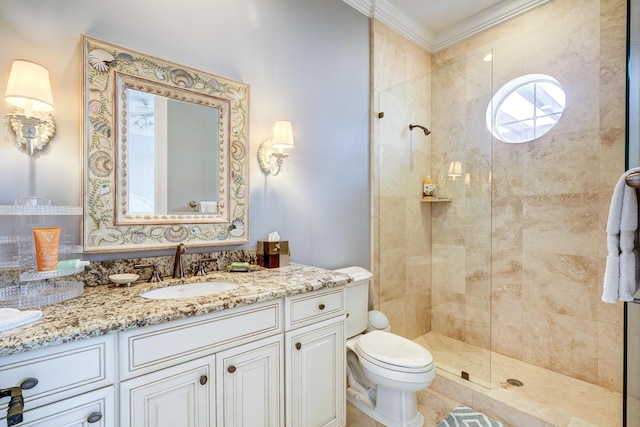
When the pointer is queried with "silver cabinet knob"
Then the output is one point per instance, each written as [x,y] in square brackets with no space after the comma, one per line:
[29,383]
[94,417]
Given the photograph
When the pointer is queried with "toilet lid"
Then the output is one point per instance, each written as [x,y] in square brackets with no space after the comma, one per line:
[394,350]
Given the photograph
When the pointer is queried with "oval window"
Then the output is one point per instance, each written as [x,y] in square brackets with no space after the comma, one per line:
[526,108]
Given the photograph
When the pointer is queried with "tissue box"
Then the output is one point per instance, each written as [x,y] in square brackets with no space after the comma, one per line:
[273,254]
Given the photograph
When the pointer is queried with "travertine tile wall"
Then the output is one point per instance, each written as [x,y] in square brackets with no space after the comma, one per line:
[402,224]
[549,199]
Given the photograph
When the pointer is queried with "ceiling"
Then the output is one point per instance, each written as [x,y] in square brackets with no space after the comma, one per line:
[437,24]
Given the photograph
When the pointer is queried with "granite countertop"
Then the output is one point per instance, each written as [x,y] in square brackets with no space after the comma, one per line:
[104,309]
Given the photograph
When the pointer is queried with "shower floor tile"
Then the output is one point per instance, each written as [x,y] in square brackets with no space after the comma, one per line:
[546,398]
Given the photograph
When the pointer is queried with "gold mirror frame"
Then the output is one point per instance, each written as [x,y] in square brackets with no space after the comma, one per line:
[107,226]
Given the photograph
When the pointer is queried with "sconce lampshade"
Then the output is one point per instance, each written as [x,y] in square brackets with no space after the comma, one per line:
[455,169]
[282,135]
[29,86]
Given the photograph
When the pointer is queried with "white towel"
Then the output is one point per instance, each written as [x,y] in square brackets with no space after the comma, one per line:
[209,207]
[12,318]
[621,272]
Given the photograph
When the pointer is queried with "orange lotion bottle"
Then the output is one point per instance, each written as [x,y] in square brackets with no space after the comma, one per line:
[47,242]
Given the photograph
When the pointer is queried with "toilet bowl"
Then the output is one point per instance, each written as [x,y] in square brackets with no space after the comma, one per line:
[393,361]
[384,370]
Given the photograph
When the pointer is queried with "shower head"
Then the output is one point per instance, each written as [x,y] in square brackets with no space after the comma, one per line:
[424,129]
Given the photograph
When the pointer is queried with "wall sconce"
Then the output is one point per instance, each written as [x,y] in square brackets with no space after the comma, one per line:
[271,160]
[29,89]
[455,170]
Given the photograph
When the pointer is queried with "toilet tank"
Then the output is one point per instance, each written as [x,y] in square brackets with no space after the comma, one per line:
[356,300]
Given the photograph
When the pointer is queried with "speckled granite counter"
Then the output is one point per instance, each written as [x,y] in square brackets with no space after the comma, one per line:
[105,309]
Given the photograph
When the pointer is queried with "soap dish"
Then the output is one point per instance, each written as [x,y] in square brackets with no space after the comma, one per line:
[241,268]
[124,279]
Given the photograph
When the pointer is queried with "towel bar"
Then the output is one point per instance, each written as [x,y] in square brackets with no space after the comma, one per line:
[633,180]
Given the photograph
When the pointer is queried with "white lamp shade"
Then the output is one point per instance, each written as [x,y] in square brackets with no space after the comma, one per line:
[29,84]
[282,135]
[455,169]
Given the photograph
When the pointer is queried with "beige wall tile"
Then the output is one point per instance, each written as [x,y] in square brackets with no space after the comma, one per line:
[536,347]
[561,284]
[562,224]
[610,365]
[392,275]
[573,347]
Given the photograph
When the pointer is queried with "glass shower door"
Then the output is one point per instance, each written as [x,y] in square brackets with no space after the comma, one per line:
[434,256]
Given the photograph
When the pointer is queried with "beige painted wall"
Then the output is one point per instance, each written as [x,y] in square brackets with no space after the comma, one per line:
[549,198]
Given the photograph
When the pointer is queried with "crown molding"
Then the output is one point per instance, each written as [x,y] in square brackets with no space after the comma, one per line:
[419,33]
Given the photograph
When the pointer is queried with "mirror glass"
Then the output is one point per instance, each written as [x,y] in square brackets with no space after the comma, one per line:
[165,153]
[156,180]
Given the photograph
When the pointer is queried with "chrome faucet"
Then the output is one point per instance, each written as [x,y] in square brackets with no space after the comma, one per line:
[178,271]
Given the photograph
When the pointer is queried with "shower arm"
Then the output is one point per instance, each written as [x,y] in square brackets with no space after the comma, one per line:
[424,128]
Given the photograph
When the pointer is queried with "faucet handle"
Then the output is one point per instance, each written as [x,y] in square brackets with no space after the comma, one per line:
[155,274]
[200,271]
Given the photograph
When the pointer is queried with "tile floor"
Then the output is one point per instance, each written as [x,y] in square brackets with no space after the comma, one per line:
[432,405]
[546,398]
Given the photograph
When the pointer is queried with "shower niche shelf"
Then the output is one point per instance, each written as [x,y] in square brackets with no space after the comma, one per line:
[435,200]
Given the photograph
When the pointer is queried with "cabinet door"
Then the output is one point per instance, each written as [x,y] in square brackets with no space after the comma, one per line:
[316,375]
[182,396]
[93,409]
[250,384]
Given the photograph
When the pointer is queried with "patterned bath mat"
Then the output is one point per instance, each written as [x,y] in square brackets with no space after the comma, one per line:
[467,417]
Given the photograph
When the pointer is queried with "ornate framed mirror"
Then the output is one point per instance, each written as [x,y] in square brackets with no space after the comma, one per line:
[164,153]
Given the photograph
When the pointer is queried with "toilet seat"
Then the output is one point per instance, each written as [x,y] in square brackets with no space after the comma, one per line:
[394,352]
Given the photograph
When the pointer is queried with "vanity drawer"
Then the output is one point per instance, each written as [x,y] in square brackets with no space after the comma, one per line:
[62,371]
[302,310]
[155,347]
[95,409]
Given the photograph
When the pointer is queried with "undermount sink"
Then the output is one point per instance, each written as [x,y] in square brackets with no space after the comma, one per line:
[190,290]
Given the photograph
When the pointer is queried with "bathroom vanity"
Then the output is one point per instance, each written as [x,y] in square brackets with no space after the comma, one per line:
[269,352]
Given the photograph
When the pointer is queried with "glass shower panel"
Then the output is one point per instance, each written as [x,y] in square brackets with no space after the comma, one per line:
[403,244]
[434,257]
[461,229]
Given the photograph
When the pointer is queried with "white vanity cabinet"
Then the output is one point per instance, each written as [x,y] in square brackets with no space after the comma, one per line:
[168,371]
[276,363]
[75,381]
[315,359]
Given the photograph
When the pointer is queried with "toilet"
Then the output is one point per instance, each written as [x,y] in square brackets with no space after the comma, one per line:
[384,370]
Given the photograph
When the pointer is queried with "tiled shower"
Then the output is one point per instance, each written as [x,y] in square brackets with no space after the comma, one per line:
[513,263]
